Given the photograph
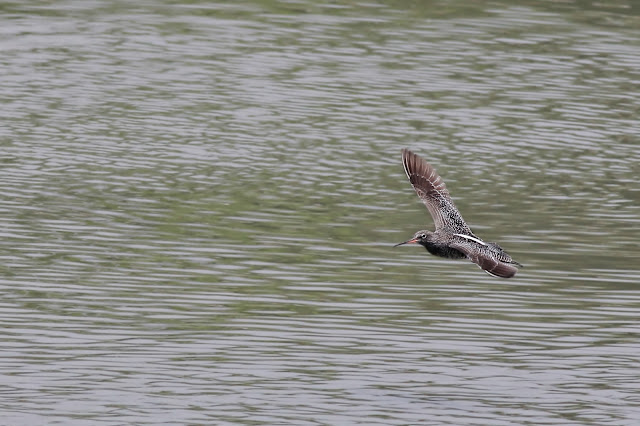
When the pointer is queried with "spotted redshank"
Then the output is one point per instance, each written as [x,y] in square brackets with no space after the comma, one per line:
[452,237]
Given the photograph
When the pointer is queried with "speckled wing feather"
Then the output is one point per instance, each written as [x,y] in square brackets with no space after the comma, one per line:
[488,256]
[432,191]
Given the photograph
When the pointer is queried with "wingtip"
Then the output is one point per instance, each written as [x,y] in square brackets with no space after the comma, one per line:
[503,271]
[495,267]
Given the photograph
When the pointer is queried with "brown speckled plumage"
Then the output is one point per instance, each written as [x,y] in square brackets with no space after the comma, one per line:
[452,237]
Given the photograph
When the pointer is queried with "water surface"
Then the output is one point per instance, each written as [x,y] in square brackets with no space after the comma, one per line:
[199,204]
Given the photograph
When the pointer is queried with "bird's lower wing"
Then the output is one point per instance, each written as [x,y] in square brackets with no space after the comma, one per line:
[495,267]
[487,263]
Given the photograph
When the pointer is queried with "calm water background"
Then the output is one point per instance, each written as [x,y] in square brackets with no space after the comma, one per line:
[199,202]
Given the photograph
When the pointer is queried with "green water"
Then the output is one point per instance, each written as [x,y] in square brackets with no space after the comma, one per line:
[199,203]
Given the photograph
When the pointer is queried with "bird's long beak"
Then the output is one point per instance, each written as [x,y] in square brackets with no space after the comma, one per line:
[411,241]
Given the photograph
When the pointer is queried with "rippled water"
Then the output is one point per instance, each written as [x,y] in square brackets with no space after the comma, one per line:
[199,203]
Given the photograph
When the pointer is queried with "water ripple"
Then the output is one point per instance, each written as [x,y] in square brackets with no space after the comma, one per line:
[200,203]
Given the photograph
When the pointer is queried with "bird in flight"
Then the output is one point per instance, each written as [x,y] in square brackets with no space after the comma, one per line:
[452,237]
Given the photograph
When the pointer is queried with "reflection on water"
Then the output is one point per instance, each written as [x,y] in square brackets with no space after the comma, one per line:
[199,204]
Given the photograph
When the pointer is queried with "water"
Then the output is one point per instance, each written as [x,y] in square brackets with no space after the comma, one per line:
[199,203]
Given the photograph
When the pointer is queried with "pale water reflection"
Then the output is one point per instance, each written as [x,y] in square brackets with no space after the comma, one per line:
[200,202]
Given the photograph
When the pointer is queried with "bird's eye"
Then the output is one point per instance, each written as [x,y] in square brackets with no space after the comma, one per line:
[423,236]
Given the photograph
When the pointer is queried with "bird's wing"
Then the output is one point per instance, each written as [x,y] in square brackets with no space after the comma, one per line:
[432,191]
[489,262]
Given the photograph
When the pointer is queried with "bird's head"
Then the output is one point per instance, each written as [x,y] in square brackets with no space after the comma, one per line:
[420,237]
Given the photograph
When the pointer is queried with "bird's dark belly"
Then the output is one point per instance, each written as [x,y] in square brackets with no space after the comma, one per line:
[444,251]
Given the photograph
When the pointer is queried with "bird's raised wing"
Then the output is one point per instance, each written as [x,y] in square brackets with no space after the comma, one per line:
[432,191]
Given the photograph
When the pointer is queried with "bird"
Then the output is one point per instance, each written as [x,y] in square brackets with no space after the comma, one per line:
[452,237]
